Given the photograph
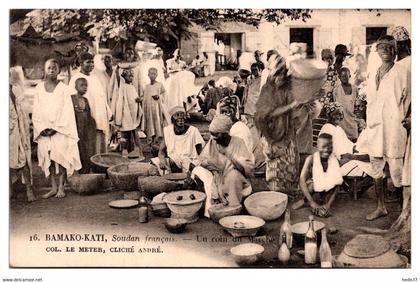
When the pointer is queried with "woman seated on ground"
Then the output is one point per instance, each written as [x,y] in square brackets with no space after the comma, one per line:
[353,157]
[181,144]
[224,166]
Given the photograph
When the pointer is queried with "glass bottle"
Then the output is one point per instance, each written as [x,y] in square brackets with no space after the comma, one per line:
[310,243]
[143,208]
[284,252]
[286,228]
[325,251]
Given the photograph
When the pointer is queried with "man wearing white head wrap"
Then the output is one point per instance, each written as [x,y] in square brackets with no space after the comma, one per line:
[388,98]
[225,166]
[181,145]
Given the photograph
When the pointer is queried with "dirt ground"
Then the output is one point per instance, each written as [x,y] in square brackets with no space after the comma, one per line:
[203,244]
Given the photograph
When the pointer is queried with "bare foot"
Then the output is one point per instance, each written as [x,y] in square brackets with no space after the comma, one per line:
[60,193]
[30,195]
[379,212]
[299,204]
[50,194]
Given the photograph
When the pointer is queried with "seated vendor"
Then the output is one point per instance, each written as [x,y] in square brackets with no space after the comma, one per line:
[353,157]
[224,166]
[181,144]
[321,175]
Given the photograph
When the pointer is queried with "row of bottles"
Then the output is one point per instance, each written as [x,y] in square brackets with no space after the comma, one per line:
[311,248]
[325,255]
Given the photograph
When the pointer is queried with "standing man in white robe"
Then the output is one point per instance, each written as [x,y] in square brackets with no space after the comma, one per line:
[388,100]
[98,101]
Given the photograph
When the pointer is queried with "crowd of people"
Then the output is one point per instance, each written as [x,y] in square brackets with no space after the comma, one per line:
[257,124]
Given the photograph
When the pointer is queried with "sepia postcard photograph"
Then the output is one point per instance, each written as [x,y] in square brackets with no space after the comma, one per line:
[209,138]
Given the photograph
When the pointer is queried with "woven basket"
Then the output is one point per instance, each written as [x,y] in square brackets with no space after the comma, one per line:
[101,162]
[124,176]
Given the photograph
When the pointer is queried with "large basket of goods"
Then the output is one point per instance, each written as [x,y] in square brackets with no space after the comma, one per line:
[306,79]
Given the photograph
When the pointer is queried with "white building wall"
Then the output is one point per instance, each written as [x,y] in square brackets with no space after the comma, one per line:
[332,27]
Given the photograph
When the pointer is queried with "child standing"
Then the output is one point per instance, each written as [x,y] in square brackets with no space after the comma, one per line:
[127,112]
[86,126]
[346,94]
[320,174]
[154,114]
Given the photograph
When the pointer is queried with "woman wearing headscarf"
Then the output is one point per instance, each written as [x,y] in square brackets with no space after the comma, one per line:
[274,120]
[20,160]
[55,130]
[181,145]
[229,106]
[224,166]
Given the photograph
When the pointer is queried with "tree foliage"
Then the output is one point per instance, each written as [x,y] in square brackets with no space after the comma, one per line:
[155,24]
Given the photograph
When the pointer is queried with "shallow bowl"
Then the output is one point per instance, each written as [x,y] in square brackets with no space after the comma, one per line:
[268,205]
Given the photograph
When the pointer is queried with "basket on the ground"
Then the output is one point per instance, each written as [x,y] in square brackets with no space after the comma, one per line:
[101,162]
[124,176]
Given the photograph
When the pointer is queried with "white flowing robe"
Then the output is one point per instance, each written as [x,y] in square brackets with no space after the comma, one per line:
[342,145]
[55,110]
[179,86]
[98,101]
[386,108]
